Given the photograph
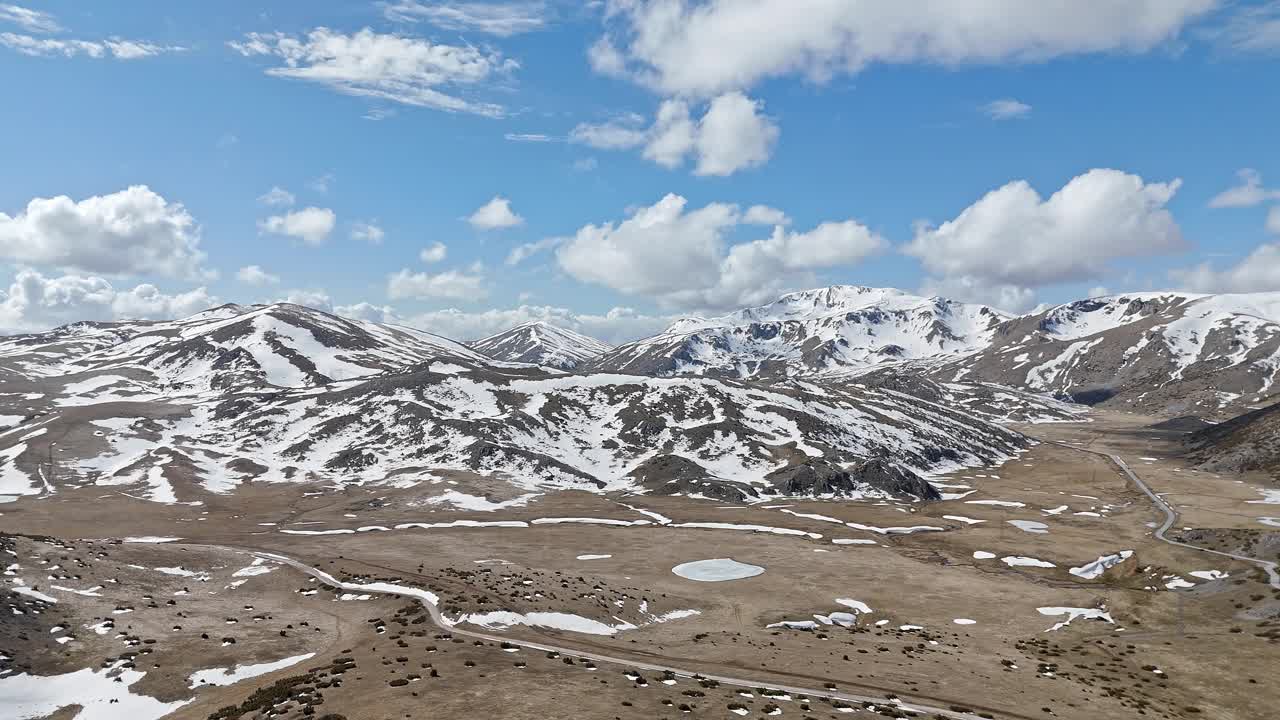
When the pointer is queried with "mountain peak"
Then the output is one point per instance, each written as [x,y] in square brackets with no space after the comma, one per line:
[541,343]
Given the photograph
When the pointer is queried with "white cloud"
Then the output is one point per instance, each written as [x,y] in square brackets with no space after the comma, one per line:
[495,215]
[370,312]
[530,138]
[407,70]
[451,284]
[1013,237]
[765,215]
[1248,193]
[622,133]
[30,20]
[733,134]
[317,299]
[1006,109]
[523,252]
[618,325]
[277,197]
[255,275]
[1273,221]
[131,232]
[680,47]
[1259,272]
[434,253]
[682,259]
[503,19]
[1013,298]
[311,225]
[368,232]
[35,302]
[115,47]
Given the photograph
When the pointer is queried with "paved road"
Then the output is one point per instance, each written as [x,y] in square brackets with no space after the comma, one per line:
[1171,515]
[429,602]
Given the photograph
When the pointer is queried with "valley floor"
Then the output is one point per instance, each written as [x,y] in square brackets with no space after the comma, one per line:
[1034,590]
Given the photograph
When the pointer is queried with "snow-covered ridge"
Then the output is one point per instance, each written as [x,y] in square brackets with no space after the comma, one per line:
[541,343]
[834,329]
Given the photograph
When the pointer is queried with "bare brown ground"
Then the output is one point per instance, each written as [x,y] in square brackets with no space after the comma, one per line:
[1214,644]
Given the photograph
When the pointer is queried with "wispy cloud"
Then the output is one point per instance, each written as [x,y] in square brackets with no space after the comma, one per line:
[115,47]
[502,19]
[406,70]
[1006,109]
[35,21]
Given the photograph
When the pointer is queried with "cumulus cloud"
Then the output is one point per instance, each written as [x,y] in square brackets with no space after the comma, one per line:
[311,225]
[131,232]
[683,259]
[433,253]
[407,70]
[35,302]
[368,232]
[968,288]
[317,299]
[1248,193]
[369,312]
[733,134]
[503,19]
[1013,238]
[115,47]
[35,21]
[1006,109]
[765,215]
[277,197]
[495,215]
[681,47]
[450,284]
[255,275]
[1259,272]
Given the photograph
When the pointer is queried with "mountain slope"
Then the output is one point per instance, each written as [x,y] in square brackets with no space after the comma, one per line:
[1167,353]
[280,345]
[1248,442]
[835,329]
[541,343]
[176,411]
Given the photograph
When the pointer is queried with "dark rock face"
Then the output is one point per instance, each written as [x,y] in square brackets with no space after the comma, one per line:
[822,477]
[1248,442]
[672,474]
[1183,424]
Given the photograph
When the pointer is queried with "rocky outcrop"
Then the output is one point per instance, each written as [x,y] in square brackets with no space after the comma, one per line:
[677,475]
[817,476]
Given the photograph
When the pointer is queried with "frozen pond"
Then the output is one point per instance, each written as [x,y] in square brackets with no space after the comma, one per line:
[717,570]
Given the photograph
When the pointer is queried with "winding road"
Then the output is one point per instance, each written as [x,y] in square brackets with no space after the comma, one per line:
[429,601]
[1171,515]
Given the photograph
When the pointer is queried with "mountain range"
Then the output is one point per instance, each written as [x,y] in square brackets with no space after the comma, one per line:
[841,391]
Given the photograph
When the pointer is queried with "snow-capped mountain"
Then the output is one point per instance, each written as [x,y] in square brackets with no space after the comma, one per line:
[231,346]
[175,411]
[543,344]
[1168,353]
[835,329]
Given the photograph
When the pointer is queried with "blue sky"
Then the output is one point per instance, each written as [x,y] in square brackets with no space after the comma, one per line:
[627,144]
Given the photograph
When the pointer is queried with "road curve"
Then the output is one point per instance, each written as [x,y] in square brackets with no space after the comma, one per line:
[1171,515]
[428,601]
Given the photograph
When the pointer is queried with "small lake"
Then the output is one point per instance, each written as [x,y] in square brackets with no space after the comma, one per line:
[716,570]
